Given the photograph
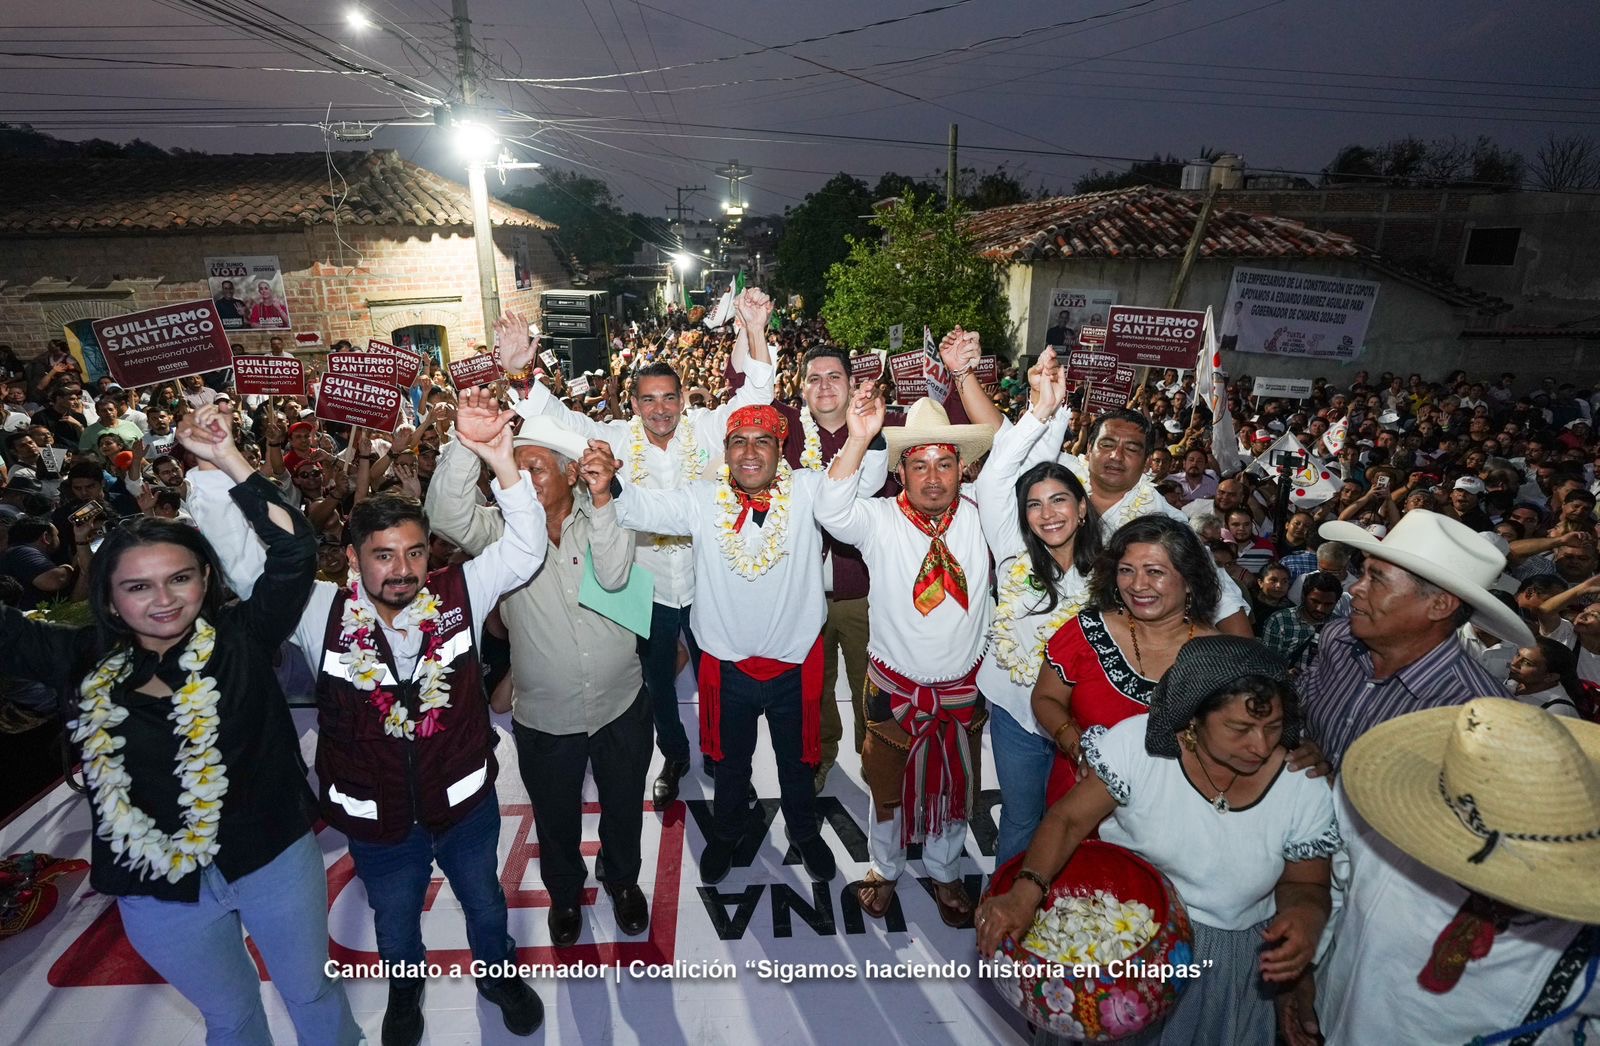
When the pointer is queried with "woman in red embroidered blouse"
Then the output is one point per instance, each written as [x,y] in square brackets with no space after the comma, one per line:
[1153,589]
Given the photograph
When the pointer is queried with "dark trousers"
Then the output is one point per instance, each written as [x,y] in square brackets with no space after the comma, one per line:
[397,875]
[744,702]
[553,766]
[658,657]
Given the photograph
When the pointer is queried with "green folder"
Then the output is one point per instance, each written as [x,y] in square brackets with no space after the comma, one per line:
[629,606]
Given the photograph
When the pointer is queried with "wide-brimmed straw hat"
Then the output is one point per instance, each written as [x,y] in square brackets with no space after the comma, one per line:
[927,422]
[1500,796]
[1447,554]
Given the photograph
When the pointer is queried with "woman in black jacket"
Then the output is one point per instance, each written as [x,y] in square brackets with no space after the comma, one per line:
[198,797]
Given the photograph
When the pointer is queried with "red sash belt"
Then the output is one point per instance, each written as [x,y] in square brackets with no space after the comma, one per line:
[938,780]
[764,669]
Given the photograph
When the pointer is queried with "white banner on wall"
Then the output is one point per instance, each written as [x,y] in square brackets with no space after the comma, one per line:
[1284,313]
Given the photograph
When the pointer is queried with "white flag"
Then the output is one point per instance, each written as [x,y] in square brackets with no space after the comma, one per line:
[934,373]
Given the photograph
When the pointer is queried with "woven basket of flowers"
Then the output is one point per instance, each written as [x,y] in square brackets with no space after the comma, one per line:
[1107,952]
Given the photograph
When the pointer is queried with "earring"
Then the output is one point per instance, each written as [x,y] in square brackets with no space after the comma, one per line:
[1188,604]
[1187,737]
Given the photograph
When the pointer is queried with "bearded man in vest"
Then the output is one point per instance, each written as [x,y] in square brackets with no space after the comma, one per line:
[405,750]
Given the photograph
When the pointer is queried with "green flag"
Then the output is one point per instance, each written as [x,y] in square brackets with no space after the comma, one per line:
[739,283]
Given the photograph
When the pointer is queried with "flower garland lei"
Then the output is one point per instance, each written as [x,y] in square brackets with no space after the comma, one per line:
[1133,504]
[1021,587]
[747,565]
[359,630]
[132,833]
[811,456]
[690,449]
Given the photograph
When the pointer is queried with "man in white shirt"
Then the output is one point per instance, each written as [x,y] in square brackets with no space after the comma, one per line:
[1466,911]
[663,447]
[930,611]
[758,610]
[405,749]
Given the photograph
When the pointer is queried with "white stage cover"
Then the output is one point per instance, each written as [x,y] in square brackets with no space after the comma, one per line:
[74,979]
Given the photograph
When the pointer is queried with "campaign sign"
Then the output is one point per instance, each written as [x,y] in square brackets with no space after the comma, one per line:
[164,344]
[1088,365]
[481,369]
[548,358]
[988,371]
[269,376]
[909,383]
[1288,388]
[1112,393]
[578,386]
[1155,337]
[1091,337]
[353,400]
[407,362]
[375,366]
[868,365]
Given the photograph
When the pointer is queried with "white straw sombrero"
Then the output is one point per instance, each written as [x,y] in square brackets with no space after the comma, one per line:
[1502,797]
[927,422]
[1446,553]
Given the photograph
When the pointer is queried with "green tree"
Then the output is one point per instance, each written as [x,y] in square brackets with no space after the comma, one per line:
[1165,172]
[919,270]
[816,234]
[895,185]
[593,229]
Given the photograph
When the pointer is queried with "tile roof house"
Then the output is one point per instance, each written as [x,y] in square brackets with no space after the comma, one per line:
[1130,242]
[368,242]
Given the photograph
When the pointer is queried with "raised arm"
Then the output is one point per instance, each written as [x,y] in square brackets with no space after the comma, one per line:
[610,543]
[485,431]
[839,509]
[1034,438]
[452,504]
[637,508]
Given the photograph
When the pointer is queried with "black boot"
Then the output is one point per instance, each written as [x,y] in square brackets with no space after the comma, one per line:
[519,1004]
[666,787]
[402,1021]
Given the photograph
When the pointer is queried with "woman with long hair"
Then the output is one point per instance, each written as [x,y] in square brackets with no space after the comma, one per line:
[1153,589]
[197,793]
[1044,536]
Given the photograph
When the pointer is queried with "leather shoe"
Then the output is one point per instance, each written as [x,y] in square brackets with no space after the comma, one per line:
[402,1020]
[817,858]
[666,786]
[630,907]
[519,1004]
[566,925]
[716,860]
[820,781]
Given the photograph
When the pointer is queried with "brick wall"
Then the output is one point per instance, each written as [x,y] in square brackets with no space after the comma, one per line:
[330,280]
[1405,224]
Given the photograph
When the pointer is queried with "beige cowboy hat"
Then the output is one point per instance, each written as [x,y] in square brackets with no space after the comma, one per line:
[1500,796]
[541,430]
[1445,553]
[927,422]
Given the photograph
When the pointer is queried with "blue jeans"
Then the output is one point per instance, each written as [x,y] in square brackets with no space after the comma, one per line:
[199,948]
[744,702]
[658,657]
[1022,762]
[396,876]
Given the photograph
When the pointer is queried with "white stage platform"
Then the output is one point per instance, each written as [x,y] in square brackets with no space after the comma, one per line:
[74,979]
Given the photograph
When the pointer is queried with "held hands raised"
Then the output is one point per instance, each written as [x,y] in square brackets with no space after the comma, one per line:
[754,309]
[597,468]
[1048,380]
[204,433]
[864,420]
[511,335]
[483,428]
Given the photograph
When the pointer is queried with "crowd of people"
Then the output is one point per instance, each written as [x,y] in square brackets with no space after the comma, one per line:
[1180,622]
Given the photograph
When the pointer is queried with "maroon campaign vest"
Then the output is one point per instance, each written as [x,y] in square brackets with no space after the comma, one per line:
[374,786]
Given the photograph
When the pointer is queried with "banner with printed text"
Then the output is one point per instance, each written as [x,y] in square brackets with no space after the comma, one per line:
[1283,313]
[1071,308]
[248,292]
[358,401]
[163,344]
[269,376]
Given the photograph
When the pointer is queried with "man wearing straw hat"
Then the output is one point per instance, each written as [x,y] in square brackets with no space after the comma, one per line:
[576,701]
[1472,901]
[758,613]
[929,618]
[1398,652]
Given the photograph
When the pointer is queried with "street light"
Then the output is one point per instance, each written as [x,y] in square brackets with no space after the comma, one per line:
[683,261]
[358,19]
[477,143]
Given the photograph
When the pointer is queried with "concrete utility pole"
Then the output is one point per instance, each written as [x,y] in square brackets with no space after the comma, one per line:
[950,171]
[482,228]
[677,212]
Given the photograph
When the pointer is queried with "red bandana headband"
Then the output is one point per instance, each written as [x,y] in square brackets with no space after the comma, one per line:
[763,416]
[948,448]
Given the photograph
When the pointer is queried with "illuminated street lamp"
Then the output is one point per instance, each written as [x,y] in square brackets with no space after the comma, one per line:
[358,19]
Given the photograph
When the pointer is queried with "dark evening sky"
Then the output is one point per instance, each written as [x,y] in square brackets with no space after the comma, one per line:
[1284,83]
